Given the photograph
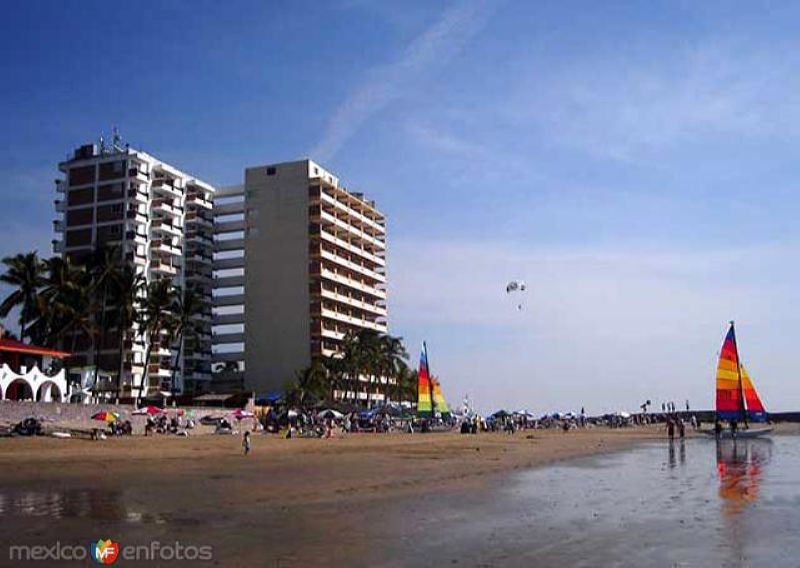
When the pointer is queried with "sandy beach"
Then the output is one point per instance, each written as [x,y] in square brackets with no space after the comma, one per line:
[289,502]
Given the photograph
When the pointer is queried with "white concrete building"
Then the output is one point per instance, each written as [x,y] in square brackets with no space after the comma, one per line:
[161,219]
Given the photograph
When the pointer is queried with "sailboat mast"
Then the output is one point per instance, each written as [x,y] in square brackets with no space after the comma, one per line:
[739,373]
[430,380]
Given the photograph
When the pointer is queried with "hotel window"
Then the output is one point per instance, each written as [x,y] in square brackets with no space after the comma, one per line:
[270,171]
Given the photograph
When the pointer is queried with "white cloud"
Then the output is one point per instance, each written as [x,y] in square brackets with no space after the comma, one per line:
[429,51]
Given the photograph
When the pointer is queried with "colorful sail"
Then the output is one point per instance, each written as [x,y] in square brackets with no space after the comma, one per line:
[438,399]
[753,404]
[424,402]
[729,402]
[737,398]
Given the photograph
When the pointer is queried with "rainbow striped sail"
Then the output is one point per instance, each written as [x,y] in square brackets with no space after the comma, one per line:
[438,399]
[737,398]
[424,391]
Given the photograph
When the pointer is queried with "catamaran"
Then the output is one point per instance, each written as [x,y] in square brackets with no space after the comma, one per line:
[430,400]
[737,399]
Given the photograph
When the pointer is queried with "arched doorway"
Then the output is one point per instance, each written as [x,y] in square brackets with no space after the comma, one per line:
[19,389]
[49,392]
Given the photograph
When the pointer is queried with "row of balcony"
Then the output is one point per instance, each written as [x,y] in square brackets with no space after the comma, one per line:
[380,311]
[356,217]
[355,284]
[333,239]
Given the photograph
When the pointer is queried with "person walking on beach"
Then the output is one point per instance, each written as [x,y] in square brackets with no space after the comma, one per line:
[246,442]
[681,429]
[670,428]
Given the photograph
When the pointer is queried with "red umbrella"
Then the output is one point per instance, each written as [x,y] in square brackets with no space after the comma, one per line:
[105,416]
[151,410]
[240,413]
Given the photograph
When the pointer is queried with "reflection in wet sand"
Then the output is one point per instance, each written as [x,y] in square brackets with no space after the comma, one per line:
[739,465]
[84,503]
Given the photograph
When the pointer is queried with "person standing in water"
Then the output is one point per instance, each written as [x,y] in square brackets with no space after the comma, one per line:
[246,442]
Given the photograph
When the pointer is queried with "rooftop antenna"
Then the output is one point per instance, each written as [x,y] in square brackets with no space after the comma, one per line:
[116,139]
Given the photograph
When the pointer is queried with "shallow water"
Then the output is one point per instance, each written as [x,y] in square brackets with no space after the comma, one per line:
[691,503]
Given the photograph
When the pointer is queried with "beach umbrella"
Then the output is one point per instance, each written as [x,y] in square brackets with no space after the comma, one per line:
[240,413]
[149,410]
[105,416]
[330,413]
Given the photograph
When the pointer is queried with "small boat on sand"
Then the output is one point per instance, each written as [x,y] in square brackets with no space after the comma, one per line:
[737,399]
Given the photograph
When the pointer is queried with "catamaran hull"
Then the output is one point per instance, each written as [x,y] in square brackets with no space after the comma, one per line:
[740,434]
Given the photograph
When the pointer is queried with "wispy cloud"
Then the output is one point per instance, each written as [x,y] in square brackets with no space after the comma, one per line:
[429,51]
[623,107]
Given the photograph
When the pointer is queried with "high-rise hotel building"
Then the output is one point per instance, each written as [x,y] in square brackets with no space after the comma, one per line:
[300,262]
[161,220]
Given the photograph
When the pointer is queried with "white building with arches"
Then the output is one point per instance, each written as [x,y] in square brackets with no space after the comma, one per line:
[22,377]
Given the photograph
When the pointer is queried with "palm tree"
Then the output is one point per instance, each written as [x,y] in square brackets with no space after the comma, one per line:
[407,384]
[336,371]
[393,356]
[25,273]
[103,269]
[185,311]
[369,348]
[310,382]
[125,288]
[155,317]
[61,303]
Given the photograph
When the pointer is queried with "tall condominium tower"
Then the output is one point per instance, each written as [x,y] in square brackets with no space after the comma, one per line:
[160,218]
[300,262]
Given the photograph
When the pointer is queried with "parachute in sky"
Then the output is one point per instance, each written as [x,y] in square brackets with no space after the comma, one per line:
[516,289]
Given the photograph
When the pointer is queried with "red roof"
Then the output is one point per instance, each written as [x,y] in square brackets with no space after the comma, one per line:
[13,346]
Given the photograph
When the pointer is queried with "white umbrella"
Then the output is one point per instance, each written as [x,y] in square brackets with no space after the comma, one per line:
[330,413]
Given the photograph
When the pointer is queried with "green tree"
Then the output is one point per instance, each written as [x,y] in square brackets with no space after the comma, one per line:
[125,289]
[310,383]
[24,273]
[393,356]
[155,317]
[186,308]
[103,269]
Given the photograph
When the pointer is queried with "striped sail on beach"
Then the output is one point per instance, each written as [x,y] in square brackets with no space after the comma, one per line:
[737,398]
[424,391]
[438,399]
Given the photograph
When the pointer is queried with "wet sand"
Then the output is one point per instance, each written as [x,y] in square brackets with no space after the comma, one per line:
[300,500]
[359,500]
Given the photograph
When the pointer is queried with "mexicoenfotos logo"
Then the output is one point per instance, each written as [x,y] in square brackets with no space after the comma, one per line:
[104,551]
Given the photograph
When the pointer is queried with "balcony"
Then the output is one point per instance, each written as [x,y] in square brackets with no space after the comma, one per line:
[357,217]
[138,238]
[163,268]
[58,226]
[369,273]
[60,205]
[165,247]
[61,185]
[140,196]
[165,226]
[198,200]
[196,218]
[136,215]
[355,284]
[58,246]
[165,206]
[352,320]
[165,186]
[136,173]
[353,302]
[333,239]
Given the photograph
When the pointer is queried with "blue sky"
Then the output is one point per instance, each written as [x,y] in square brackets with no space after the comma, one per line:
[633,162]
